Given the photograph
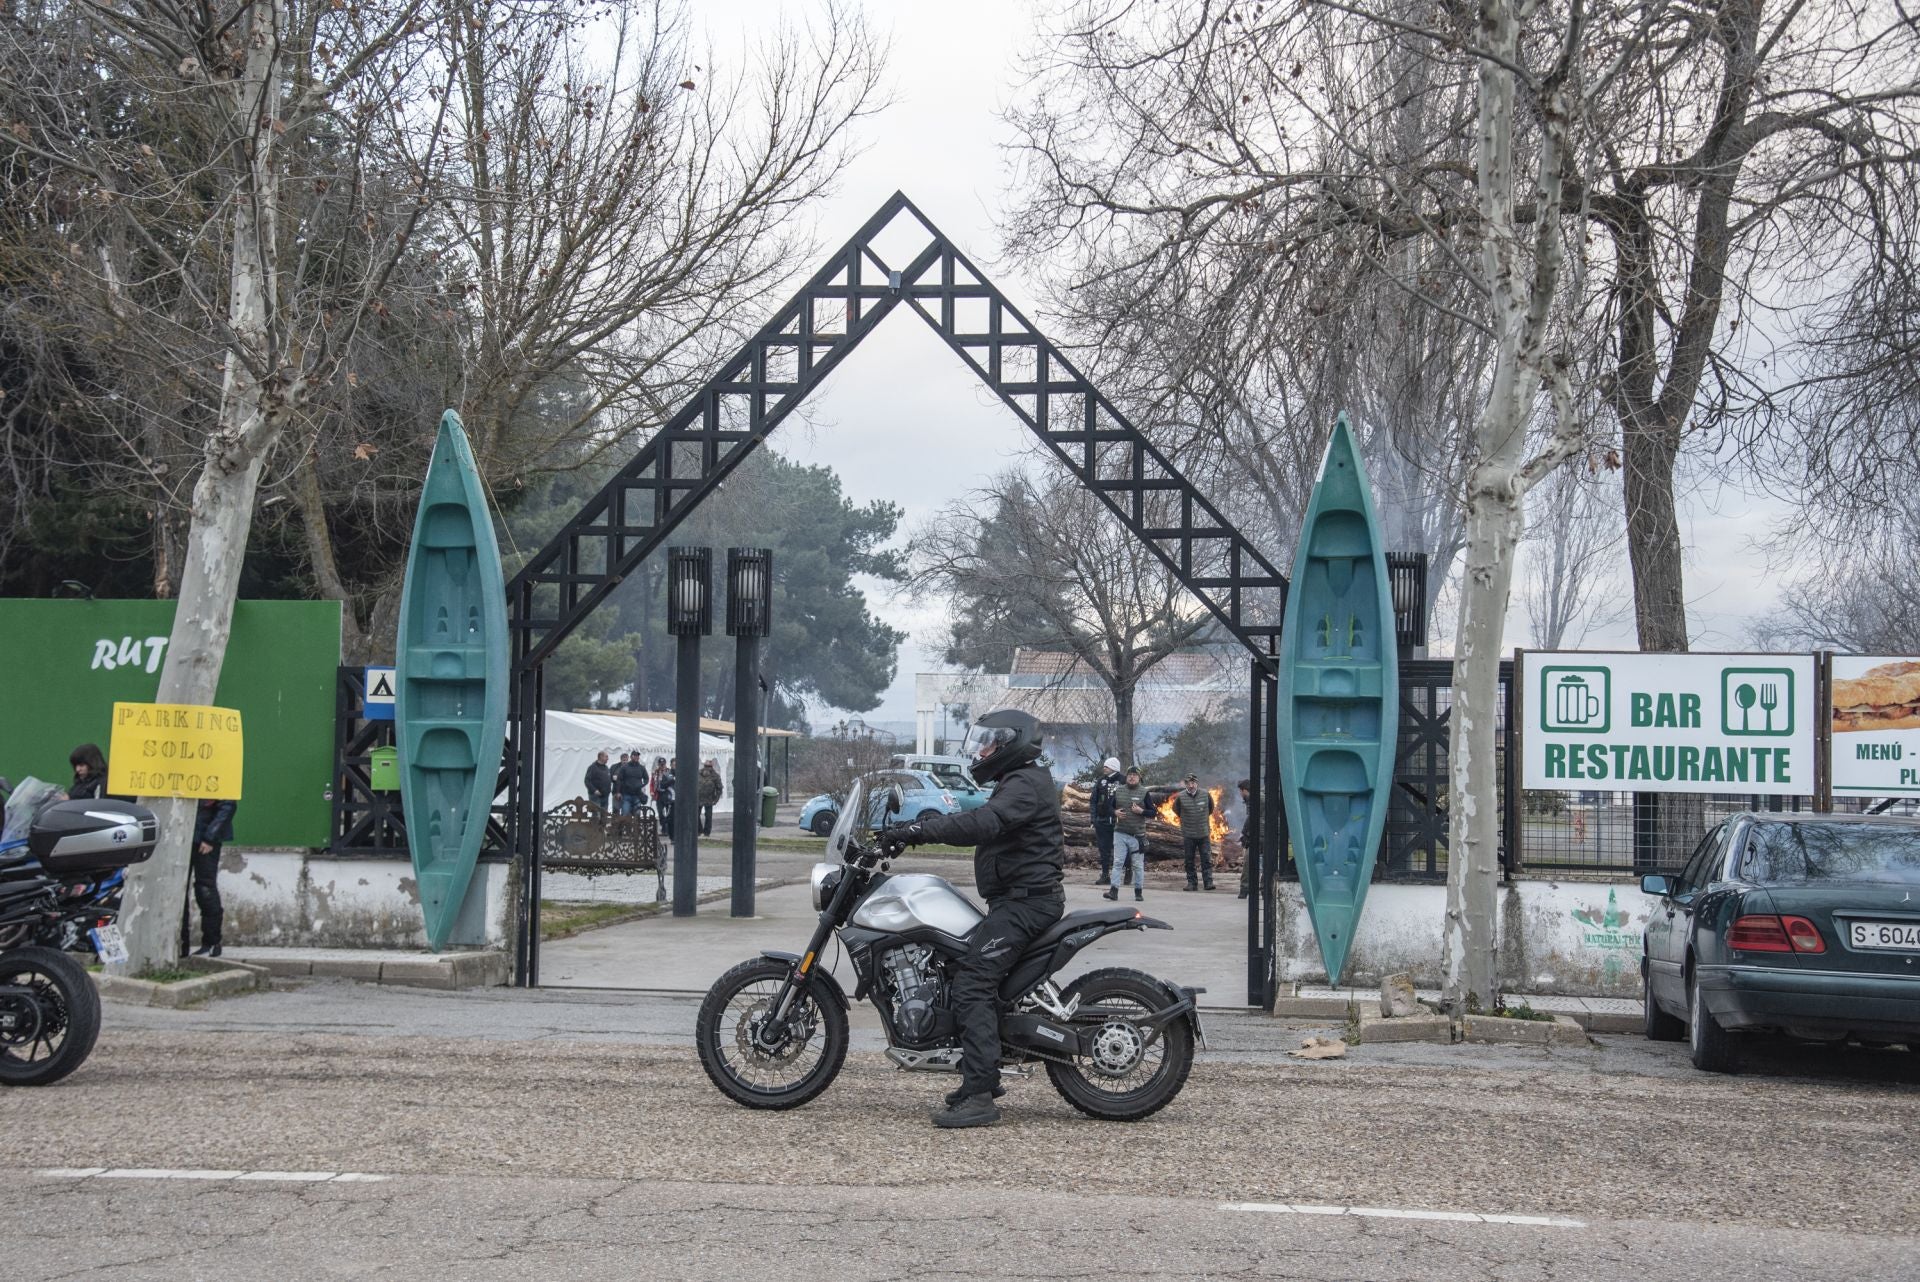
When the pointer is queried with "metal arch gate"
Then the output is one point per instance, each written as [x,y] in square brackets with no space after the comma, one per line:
[765,380]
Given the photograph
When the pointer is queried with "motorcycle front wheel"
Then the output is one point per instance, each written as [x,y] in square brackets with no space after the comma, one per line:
[759,1065]
[1133,1072]
[49,1016]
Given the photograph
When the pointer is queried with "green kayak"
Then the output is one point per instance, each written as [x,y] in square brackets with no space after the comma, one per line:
[450,705]
[1338,699]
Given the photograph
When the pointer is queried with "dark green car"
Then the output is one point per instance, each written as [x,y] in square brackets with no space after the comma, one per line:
[1801,924]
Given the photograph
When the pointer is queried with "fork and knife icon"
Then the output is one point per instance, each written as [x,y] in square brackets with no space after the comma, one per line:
[1767,696]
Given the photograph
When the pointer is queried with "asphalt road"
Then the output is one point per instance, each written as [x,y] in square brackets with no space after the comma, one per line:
[570,1135]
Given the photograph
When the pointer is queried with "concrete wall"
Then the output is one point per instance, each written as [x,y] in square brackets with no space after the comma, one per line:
[297,898]
[1579,939]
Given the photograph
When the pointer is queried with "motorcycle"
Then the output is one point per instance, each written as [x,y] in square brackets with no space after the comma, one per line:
[1117,1044]
[61,863]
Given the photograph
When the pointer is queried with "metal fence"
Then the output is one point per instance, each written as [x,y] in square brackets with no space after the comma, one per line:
[1415,845]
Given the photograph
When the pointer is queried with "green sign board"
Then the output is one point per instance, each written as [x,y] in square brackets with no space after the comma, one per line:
[1628,722]
[66,663]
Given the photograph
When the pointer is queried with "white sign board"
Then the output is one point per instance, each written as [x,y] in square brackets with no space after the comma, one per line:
[378,705]
[1736,723]
[1876,725]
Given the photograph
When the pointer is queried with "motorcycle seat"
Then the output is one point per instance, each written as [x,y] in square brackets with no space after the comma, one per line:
[1046,940]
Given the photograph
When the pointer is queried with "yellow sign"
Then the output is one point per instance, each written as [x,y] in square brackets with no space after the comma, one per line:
[174,750]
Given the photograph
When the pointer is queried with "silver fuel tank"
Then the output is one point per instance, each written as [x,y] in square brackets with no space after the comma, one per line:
[911,900]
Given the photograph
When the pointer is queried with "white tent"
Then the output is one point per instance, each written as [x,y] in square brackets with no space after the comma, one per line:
[572,738]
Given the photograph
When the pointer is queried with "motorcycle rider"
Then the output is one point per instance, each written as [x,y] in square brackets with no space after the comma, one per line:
[1017,868]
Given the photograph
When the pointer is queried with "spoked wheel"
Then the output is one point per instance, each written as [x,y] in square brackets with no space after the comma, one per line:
[1132,1072]
[760,1062]
[49,1016]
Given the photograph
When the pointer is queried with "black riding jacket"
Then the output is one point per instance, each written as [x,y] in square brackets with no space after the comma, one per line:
[1020,846]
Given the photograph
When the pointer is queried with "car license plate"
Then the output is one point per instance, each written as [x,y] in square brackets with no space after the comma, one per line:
[109,944]
[1898,936]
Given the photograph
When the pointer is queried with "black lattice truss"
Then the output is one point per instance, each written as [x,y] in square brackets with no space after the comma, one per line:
[897,257]
[766,379]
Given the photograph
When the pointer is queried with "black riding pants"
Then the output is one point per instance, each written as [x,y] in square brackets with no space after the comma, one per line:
[1103,842]
[992,949]
[206,896]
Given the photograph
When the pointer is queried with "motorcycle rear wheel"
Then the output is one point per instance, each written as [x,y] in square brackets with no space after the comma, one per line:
[809,1054]
[54,1029]
[1135,1081]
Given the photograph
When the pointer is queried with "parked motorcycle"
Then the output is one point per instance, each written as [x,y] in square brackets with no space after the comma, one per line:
[1117,1044]
[59,864]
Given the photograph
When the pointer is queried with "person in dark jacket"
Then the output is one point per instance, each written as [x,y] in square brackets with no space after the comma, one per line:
[1019,852]
[600,779]
[711,789]
[664,795]
[1101,808]
[212,829]
[89,773]
[1249,840]
[633,785]
[1195,808]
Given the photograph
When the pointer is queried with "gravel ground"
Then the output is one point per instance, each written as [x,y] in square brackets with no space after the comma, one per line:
[1443,1128]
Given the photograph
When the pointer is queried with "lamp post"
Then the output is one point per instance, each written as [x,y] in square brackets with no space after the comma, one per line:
[749,618]
[689,617]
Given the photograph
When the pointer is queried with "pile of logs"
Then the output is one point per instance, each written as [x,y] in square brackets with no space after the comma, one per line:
[1161,839]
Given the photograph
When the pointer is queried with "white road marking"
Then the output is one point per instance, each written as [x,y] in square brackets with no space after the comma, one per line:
[1388,1213]
[162,1173]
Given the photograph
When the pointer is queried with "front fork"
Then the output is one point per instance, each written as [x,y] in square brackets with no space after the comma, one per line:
[802,971]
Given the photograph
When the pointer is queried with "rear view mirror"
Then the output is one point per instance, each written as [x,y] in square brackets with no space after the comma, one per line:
[1654,884]
[895,800]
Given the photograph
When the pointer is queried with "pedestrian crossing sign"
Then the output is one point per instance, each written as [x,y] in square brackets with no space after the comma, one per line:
[378,705]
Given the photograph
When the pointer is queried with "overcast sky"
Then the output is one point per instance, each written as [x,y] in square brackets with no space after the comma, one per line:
[902,419]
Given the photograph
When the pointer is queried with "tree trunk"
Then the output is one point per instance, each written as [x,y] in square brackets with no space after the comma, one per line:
[252,413]
[1123,722]
[325,567]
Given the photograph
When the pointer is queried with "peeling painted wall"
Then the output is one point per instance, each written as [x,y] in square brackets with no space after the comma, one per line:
[290,897]
[1578,939]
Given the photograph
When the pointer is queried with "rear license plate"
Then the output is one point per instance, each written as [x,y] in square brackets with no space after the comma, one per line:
[109,944]
[1895,936]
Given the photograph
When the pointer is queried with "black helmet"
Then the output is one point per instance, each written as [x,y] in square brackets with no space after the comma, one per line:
[1016,738]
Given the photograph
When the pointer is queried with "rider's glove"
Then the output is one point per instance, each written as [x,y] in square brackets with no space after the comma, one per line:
[897,839]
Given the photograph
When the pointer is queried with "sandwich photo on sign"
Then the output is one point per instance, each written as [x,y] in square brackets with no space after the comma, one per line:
[1885,697]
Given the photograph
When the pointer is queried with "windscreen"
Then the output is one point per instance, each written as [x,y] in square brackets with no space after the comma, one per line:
[843,827]
[1798,853]
[29,798]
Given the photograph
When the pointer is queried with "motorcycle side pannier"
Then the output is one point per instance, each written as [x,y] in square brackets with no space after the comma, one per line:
[74,837]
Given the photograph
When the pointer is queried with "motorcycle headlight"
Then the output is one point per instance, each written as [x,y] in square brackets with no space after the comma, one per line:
[823,880]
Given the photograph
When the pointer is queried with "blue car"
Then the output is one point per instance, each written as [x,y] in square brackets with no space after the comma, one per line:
[924,798]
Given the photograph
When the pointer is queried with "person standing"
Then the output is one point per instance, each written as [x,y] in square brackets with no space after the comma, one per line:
[1101,808]
[1129,811]
[89,773]
[710,791]
[633,785]
[599,780]
[1195,809]
[663,794]
[212,829]
[1249,840]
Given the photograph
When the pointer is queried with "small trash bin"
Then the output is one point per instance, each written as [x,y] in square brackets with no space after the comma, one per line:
[383,770]
[769,801]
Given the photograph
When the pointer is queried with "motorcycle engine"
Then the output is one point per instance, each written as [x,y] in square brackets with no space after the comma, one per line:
[916,991]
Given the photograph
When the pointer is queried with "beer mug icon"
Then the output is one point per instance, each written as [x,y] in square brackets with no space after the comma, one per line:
[1574,704]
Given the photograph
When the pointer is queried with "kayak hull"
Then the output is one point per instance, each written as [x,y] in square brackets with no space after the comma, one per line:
[1338,699]
[450,697]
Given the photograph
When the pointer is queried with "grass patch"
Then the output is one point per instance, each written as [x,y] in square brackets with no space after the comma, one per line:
[1523,1011]
[560,918]
[167,974]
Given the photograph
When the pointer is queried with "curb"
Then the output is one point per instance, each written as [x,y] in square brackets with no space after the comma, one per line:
[1336,1008]
[224,978]
[449,971]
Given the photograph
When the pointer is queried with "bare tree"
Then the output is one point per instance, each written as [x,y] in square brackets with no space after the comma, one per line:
[1573,531]
[1864,597]
[1042,564]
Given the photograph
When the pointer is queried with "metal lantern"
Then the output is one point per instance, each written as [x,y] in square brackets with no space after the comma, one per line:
[1407,578]
[689,591]
[749,592]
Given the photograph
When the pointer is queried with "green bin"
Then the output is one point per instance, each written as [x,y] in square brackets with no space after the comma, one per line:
[769,800]
[383,770]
